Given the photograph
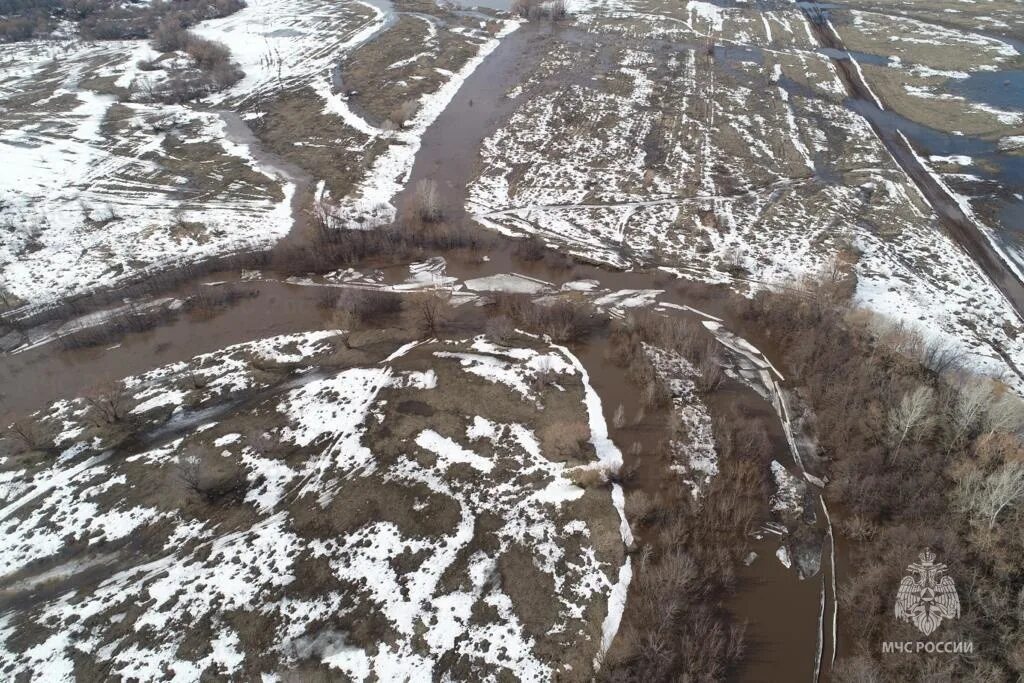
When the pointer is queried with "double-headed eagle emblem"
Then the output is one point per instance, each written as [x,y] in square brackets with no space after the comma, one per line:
[926,597]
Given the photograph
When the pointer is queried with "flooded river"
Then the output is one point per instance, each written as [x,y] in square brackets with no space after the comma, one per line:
[787,617]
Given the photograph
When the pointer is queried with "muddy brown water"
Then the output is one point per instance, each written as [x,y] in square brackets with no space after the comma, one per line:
[238,131]
[782,641]
[780,609]
[782,612]
[32,379]
[449,149]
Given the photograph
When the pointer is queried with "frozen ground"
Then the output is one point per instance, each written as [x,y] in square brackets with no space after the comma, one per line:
[237,503]
[743,167]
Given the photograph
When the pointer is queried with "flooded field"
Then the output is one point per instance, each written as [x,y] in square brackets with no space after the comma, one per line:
[644,170]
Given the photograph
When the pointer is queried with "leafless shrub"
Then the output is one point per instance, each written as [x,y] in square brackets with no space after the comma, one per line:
[335,244]
[710,368]
[500,329]
[207,54]
[640,507]
[216,481]
[428,200]
[430,312]
[214,70]
[29,433]
[170,36]
[531,248]
[564,321]
[115,327]
[356,307]
[14,29]
[208,301]
[858,528]
[108,403]
[940,357]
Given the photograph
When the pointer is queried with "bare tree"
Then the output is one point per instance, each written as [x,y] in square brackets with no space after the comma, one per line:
[109,402]
[431,313]
[499,328]
[940,356]
[1005,414]
[30,435]
[428,200]
[913,415]
[967,409]
[986,496]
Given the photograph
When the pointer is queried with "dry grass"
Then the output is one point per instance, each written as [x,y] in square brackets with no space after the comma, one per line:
[564,440]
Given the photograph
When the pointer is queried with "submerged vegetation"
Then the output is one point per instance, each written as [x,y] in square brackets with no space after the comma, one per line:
[920,453]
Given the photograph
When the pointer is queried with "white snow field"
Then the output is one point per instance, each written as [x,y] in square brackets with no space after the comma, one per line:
[294,506]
